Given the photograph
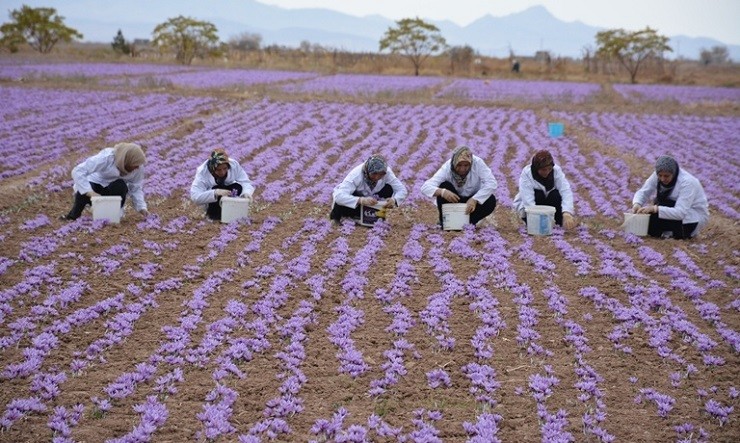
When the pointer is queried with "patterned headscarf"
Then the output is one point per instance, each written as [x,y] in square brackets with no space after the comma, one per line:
[373,165]
[462,153]
[666,164]
[128,156]
[543,159]
[218,157]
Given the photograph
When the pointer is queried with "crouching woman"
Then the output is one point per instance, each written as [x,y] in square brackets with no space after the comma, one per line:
[543,183]
[219,176]
[112,171]
[679,208]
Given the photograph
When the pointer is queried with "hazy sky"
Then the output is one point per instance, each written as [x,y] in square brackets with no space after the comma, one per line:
[719,19]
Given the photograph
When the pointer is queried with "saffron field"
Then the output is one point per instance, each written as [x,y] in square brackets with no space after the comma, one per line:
[287,327]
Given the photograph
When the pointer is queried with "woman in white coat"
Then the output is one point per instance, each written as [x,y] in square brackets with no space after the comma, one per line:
[217,177]
[679,209]
[365,184]
[464,178]
[112,171]
[543,183]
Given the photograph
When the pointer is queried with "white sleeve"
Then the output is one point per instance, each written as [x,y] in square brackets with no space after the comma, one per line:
[487,181]
[526,189]
[566,194]
[433,183]
[643,195]
[343,192]
[200,192]
[81,173]
[241,177]
[686,195]
[399,189]
[136,189]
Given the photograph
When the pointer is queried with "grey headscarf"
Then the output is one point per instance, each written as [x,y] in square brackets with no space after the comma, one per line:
[670,165]
[666,164]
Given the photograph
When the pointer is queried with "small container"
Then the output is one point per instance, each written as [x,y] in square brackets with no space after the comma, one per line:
[454,216]
[369,215]
[540,219]
[555,129]
[107,207]
[636,223]
[233,208]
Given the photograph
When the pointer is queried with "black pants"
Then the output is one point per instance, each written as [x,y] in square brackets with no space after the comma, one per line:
[117,187]
[657,226]
[213,211]
[482,210]
[553,199]
[339,211]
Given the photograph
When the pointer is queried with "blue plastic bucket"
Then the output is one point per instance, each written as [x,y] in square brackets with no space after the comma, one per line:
[556,129]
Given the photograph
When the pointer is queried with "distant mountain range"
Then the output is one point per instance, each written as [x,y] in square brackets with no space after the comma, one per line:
[523,33]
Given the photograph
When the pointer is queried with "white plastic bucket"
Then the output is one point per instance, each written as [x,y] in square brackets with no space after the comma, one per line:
[233,208]
[369,214]
[454,216]
[540,219]
[636,223]
[107,207]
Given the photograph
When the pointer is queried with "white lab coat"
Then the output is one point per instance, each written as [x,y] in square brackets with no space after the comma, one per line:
[479,184]
[355,182]
[691,201]
[101,169]
[527,186]
[202,192]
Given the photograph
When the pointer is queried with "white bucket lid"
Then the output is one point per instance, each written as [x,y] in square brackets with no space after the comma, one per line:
[454,207]
[233,201]
[540,209]
[103,198]
[631,215]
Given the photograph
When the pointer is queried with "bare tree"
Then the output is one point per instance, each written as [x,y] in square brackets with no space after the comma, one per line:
[461,57]
[718,55]
[246,41]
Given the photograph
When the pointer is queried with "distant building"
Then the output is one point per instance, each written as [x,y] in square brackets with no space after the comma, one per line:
[542,57]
